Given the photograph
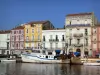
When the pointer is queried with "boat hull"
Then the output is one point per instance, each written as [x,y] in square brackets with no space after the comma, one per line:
[33,59]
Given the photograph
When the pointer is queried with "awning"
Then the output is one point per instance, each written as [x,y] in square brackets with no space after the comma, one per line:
[76,53]
[57,51]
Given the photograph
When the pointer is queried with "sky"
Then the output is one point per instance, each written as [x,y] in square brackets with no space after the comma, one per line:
[16,12]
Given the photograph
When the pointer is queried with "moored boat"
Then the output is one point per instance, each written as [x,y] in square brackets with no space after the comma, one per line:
[43,56]
[8,61]
[91,63]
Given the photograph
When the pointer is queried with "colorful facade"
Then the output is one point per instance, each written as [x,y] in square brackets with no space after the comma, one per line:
[33,33]
[17,40]
[78,32]
[95,40]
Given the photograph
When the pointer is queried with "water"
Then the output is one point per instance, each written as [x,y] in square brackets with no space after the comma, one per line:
[47,69]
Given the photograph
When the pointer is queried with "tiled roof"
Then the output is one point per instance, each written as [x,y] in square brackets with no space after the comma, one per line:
[18,27]
[5,31]
[38,22]
[80,14]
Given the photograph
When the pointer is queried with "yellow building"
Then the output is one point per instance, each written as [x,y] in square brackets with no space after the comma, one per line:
[33,33]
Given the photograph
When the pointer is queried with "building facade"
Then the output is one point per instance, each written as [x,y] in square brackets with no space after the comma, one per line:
[17,40]
[4,42]
[33,33]
[78,32]
[53,39]
[95,40]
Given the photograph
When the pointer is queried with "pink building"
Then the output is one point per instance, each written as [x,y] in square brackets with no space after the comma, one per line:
[95,40]
[17,39]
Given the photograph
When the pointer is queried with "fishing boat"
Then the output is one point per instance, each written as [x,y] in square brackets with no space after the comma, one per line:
[43,56]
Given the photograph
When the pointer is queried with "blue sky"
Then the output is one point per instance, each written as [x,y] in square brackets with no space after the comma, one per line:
[14,12]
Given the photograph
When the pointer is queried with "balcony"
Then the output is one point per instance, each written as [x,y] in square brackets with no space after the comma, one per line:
[32,40]
[72,25]
[53,40]
[28,48]
[78,35]
[78,45]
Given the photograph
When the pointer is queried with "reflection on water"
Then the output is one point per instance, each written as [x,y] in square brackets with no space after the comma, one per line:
[47,69]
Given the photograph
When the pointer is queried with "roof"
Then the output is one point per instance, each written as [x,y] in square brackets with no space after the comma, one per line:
[80,14]
[18,27]
[5,31]
[38,22]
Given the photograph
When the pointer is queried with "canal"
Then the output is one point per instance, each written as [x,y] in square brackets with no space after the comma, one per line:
[47,69]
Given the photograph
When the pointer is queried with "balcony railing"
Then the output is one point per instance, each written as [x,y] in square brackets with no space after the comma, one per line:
[53,40]
[32,40]
[78,35]
[77,25]
[78,45]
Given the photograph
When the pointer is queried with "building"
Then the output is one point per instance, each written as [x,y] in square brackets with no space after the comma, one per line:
[4,42]
[33,33]
[95,40]
[17,40]
[78,32]
[53,39]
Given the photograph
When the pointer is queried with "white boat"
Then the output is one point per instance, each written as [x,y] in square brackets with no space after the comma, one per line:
[8,61]
[91,63]
[43,56]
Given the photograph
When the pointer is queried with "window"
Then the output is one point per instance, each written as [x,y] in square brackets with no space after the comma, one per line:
[86,32]
[38,45]
[70,22]
[19,31]
[19,37]
[27,31]
[27,38]
[63,45]
[78,41]
[49,53]
[14,37]
[12,44]
[78,29]
[32,30]
[56,37]
[43,38]
[21,45]
[86,41]
[63,38]
[85,21]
